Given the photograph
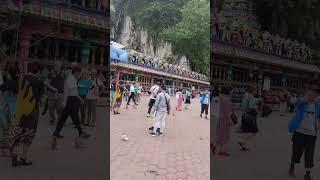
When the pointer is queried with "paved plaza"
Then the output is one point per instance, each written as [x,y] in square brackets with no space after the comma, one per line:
[181,153]
[67,163]
[270,158]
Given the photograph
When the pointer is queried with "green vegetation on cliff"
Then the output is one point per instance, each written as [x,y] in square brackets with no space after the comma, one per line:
[183,23]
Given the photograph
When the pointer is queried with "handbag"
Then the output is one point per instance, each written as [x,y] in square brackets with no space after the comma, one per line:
[234,118]
[249,122]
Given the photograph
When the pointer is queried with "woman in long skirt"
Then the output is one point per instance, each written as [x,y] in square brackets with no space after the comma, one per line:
[224,123]
[180,100]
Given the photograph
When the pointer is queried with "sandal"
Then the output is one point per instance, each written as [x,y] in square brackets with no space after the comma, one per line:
[223,154]
[14,161]
[25,162]
[243,148]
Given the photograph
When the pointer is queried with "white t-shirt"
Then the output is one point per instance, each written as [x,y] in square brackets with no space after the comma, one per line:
[70,86]
[309,125]
[131,89]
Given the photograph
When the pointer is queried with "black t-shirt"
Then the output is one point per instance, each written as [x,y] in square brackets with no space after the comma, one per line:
[121,88]
[57,81]
[36,85]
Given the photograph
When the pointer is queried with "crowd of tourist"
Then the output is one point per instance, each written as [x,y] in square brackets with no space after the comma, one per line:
[167,67]
[304,124]
[62,92]
[263,41]
[159,102]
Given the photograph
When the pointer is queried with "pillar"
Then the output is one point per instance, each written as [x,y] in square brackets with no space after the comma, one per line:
[93,56]
[47,46]
[173,85]
[66,51]
[85,54]
[57,49]
[117,78]
[25,39]
[101,55]
[76,53]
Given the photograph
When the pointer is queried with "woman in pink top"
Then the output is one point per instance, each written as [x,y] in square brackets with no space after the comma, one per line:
[224,123]
[180,100]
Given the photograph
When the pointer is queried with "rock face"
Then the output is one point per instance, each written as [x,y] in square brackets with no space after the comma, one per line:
[129,34]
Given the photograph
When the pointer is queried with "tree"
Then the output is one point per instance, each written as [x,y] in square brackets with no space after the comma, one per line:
[191,35]
[158,16]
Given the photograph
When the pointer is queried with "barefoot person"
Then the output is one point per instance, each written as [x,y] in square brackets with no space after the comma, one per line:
[304,126]
[25,125]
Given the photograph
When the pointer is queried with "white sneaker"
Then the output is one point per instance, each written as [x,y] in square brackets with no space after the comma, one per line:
[124,137]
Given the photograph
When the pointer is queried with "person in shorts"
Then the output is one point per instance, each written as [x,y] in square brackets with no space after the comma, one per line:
[204,101]
[304,127]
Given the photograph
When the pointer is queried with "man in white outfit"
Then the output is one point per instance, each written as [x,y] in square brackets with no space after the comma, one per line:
[162,108]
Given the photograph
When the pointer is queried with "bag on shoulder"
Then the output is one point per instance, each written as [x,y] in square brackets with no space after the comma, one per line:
[234,118]
[96,88]
[249,122]
[168,106]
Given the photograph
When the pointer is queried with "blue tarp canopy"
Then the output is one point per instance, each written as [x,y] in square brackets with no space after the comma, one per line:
[118,52]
